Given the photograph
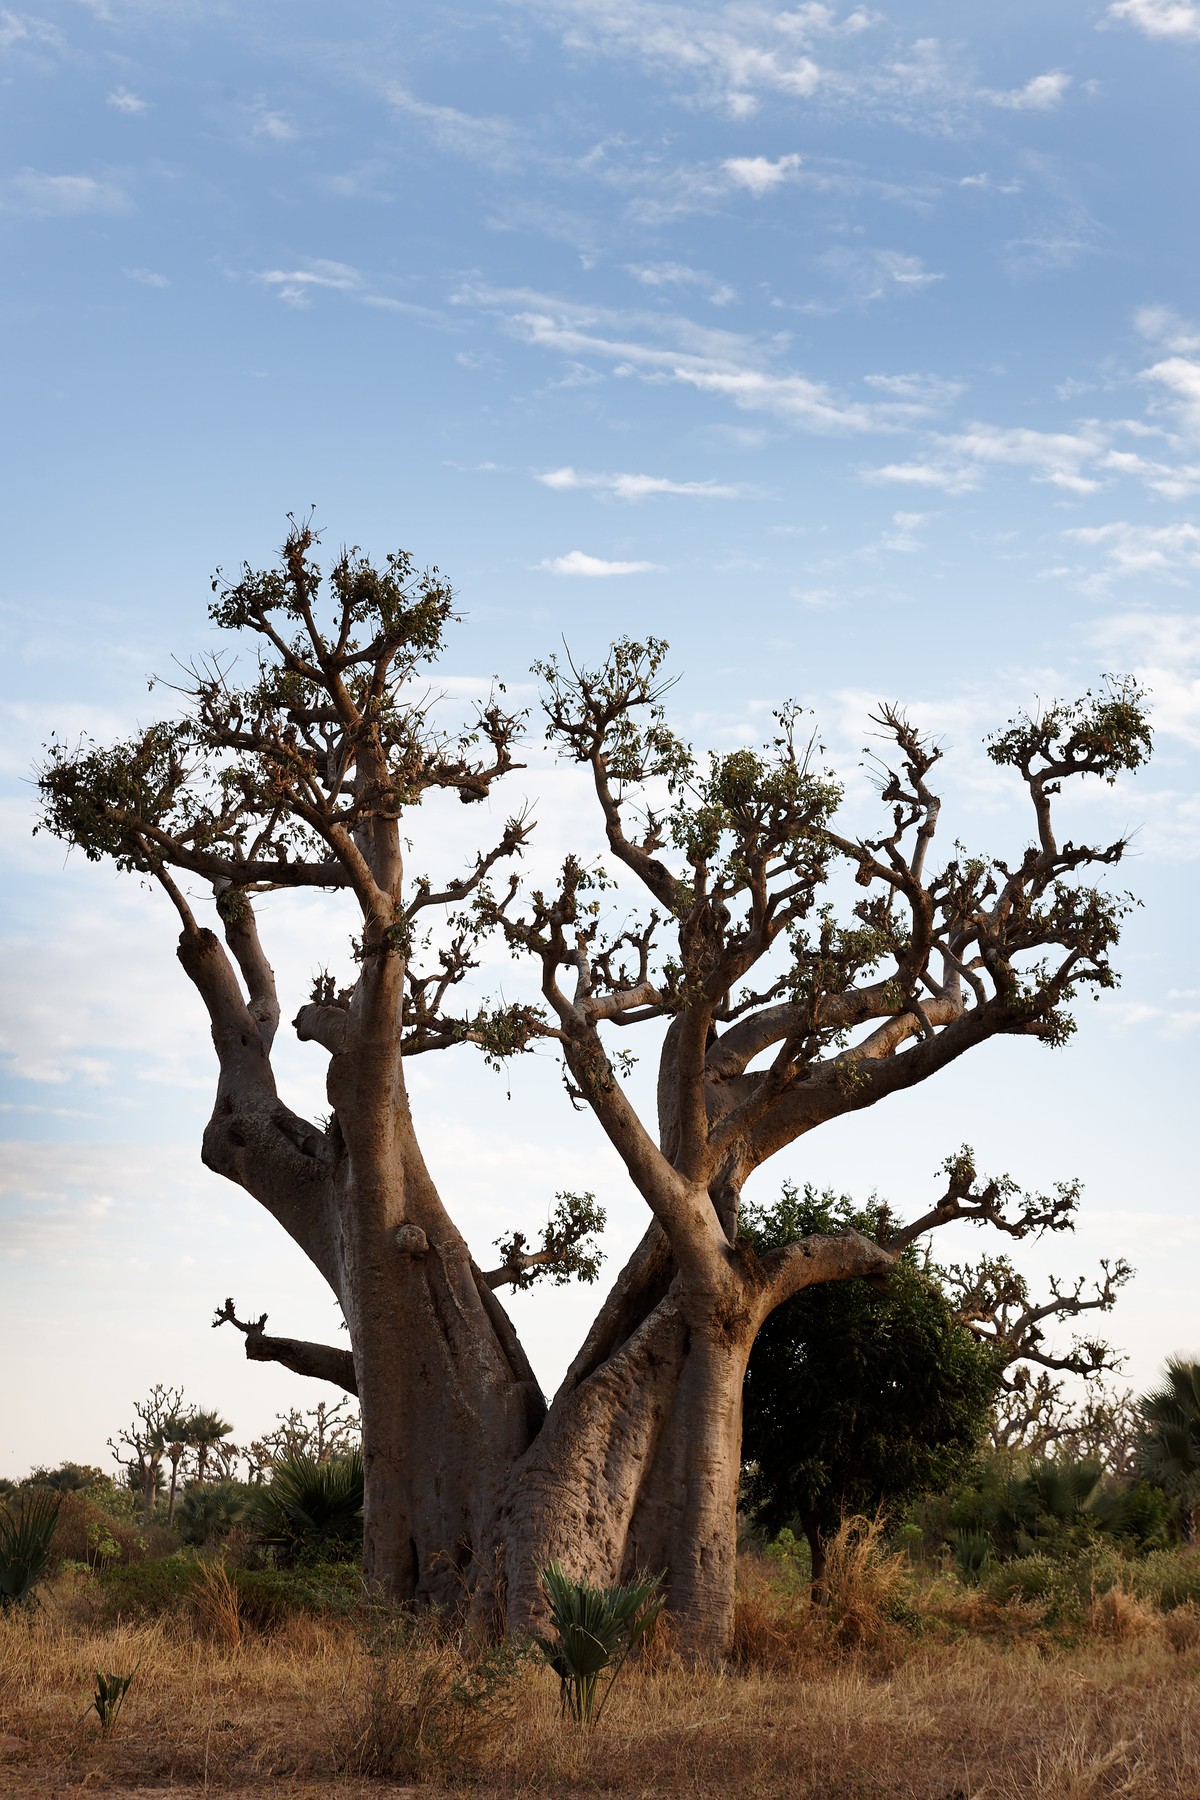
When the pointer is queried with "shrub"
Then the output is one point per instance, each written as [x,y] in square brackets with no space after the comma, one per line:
[1169,1578]
[93,1532]
[265,1598]
[26,1529]
[428,1703]
[863,1588]
[1025,1578]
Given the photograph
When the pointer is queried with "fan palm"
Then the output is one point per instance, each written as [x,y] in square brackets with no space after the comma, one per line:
[206,1431]
[313,1507]
[597,1628]
[1170,1450]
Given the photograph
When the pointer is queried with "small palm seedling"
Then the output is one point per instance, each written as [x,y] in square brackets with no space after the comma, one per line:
[25,1537]
[597,1628]
[110,1696]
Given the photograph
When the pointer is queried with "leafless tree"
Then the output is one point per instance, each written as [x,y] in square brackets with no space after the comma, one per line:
[141,1447]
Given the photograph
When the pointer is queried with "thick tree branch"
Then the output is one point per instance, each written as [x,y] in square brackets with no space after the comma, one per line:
[324,1362]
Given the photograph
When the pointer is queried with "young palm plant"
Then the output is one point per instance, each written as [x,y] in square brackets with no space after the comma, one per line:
[597,1628]
[25,1537]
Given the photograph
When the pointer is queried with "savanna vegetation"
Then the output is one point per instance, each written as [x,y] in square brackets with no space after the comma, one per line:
[1060,1661]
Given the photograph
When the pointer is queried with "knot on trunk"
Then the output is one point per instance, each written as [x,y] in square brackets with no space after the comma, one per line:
[411,1240]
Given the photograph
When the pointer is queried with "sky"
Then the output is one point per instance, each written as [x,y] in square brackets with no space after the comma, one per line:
[855,352]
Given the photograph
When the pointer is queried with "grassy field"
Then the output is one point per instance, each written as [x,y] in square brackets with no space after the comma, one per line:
[906,1688]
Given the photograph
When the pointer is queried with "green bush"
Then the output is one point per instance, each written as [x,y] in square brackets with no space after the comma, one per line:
[1026,1578]
[267,1598]
[145,1589]
[1169,1578]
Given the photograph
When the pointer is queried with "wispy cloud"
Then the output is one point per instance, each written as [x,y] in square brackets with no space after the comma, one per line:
[960,458]
[578,562]
[656,347]
[1042,94]
[121,100]
[875,274]
[20,28]
[640,487]
[1168,552]
[294,286]
[675,275]
[31,194]
[494,141]
[146,278]
[1176,19]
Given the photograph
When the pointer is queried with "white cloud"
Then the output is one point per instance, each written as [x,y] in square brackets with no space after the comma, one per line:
[640,487]
[1163,651]
[926,474]
[734,56]
[759,173]
[907,525]
[1055,456]
[146,277]
[578,562]
[31,194]
[276,127]
[1160,18]
[1041,94]
[1163,325]
[1180,376]
[123,101]
[729,55]
[673,274]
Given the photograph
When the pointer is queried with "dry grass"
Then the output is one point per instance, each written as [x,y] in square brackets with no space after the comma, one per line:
[324,1708]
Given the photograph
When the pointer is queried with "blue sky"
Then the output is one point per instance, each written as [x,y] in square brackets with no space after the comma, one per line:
[856,352]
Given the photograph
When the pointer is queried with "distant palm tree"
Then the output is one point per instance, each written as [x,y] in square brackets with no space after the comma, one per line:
[1170,1449]
[207,1430]
[175,1436]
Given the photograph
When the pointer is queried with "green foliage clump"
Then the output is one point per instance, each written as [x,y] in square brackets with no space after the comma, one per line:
[267,1597]
[857,1397]
[312,1511]
[207,1514]
[1058,1507]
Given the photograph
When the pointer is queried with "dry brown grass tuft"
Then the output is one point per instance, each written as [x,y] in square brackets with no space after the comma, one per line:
[322,1708]
[217,1604]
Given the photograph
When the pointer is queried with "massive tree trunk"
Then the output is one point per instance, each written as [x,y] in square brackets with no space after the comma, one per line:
[449,1402]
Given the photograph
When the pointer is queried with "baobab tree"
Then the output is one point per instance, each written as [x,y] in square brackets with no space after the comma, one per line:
[774,1018]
